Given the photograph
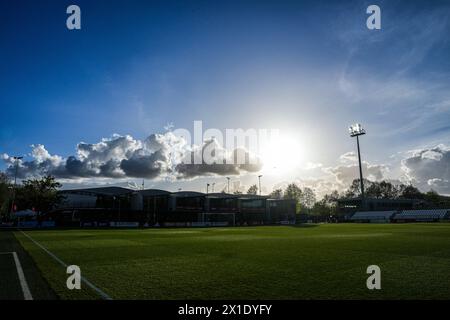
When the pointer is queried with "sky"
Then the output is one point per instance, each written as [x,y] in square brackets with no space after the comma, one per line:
[99,105]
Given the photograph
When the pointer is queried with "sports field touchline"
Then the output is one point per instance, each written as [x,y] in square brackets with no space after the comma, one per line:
[102,294]
[23,282]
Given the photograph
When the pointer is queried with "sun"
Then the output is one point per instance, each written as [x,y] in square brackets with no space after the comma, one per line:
[282,153]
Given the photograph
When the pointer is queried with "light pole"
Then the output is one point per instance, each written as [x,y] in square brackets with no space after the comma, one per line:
[16,159]
[213,186]
[356,130]
[259,180]
[228,184]
[119,208]
[207,188]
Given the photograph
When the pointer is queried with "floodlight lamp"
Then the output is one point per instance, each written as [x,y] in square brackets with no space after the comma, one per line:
[356,130]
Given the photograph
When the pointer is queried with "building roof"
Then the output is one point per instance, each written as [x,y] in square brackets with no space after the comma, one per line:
[154,192]
[188,194]
[281,200]
[252,196]
[107,191]
[222,195]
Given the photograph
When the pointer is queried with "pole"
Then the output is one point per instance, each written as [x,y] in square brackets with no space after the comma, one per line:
[154,210]
[119,208]
[148,209]
[360,175]
[228,182]
[259,178]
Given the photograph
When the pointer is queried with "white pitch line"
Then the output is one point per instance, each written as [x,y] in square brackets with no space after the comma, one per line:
[86,281]
[23,281]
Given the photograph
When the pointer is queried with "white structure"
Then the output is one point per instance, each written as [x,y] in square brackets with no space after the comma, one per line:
[423,215]
[373,216]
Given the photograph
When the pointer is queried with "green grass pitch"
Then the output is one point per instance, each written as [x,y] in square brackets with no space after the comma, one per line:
[326,261]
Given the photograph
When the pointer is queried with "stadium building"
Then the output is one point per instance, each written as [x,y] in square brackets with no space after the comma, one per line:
[373,216]
[352,205]
[391,210]
[423,215]
[121,207]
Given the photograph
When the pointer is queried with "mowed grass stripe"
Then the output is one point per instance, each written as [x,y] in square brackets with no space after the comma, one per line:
[315,262]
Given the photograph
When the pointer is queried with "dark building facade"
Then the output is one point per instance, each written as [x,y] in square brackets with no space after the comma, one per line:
[282,211]
[94,207]
[123,207]
[350,206]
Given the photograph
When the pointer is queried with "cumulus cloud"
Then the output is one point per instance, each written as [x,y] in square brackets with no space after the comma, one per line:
[345,174]
[348,157]
[429,168]
[158,156]
[217,161]
[313,165]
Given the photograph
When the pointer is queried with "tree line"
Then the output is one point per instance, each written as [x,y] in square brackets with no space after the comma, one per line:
[41,195]
[307,203]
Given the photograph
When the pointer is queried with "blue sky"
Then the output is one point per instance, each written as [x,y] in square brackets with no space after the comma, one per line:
[306,68]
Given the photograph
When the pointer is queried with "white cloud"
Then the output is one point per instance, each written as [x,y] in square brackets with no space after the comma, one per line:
[345,174]
[312,166]
[348,157]
[120,157]
[429,168]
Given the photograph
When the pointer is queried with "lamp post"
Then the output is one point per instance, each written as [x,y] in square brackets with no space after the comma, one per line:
[228,184]
[356,130]
[259,181]
[16,160]
[207,188]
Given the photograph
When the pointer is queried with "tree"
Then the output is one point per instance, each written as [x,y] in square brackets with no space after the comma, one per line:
[293,192]
[308,198]
[332,198]
[276,194]
[5,188]
[382,190]
[253,190]
[354,191]
[40,194]
[320,208]
[432,197]
[409,192]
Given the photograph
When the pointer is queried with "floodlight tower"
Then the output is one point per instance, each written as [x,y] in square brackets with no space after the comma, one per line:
[356,130]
